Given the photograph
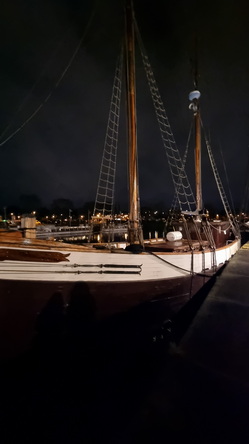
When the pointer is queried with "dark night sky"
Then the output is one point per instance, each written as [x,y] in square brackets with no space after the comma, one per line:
[58,153]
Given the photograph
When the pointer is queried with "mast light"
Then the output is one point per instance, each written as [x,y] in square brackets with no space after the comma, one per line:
[194,95]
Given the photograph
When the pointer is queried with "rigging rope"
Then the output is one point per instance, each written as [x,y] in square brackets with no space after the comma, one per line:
[229,189]
[104,201]
[181,183]
[196,273]
[230,216]
[51,91]
[244,204]
[172,211]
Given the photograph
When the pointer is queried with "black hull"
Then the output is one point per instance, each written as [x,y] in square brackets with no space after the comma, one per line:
[31,308]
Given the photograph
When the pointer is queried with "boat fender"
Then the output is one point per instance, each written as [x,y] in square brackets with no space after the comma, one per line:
[134,248]
[174,236]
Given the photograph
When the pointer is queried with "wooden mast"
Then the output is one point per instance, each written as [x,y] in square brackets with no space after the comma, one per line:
[194,98]
[135,229]
[198,159]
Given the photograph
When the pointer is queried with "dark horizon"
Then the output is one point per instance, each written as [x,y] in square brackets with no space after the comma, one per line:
[59,206]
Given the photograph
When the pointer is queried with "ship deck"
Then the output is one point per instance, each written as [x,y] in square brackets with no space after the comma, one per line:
[175,246]
[15,240]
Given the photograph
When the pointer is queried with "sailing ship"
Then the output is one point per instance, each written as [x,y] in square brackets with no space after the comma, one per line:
[103,280]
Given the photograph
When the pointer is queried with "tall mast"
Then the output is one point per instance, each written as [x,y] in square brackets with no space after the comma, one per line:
[194,97]
[198,159]
[135,230]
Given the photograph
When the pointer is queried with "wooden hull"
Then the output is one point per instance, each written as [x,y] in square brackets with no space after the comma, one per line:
[37,298]
[24,303]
